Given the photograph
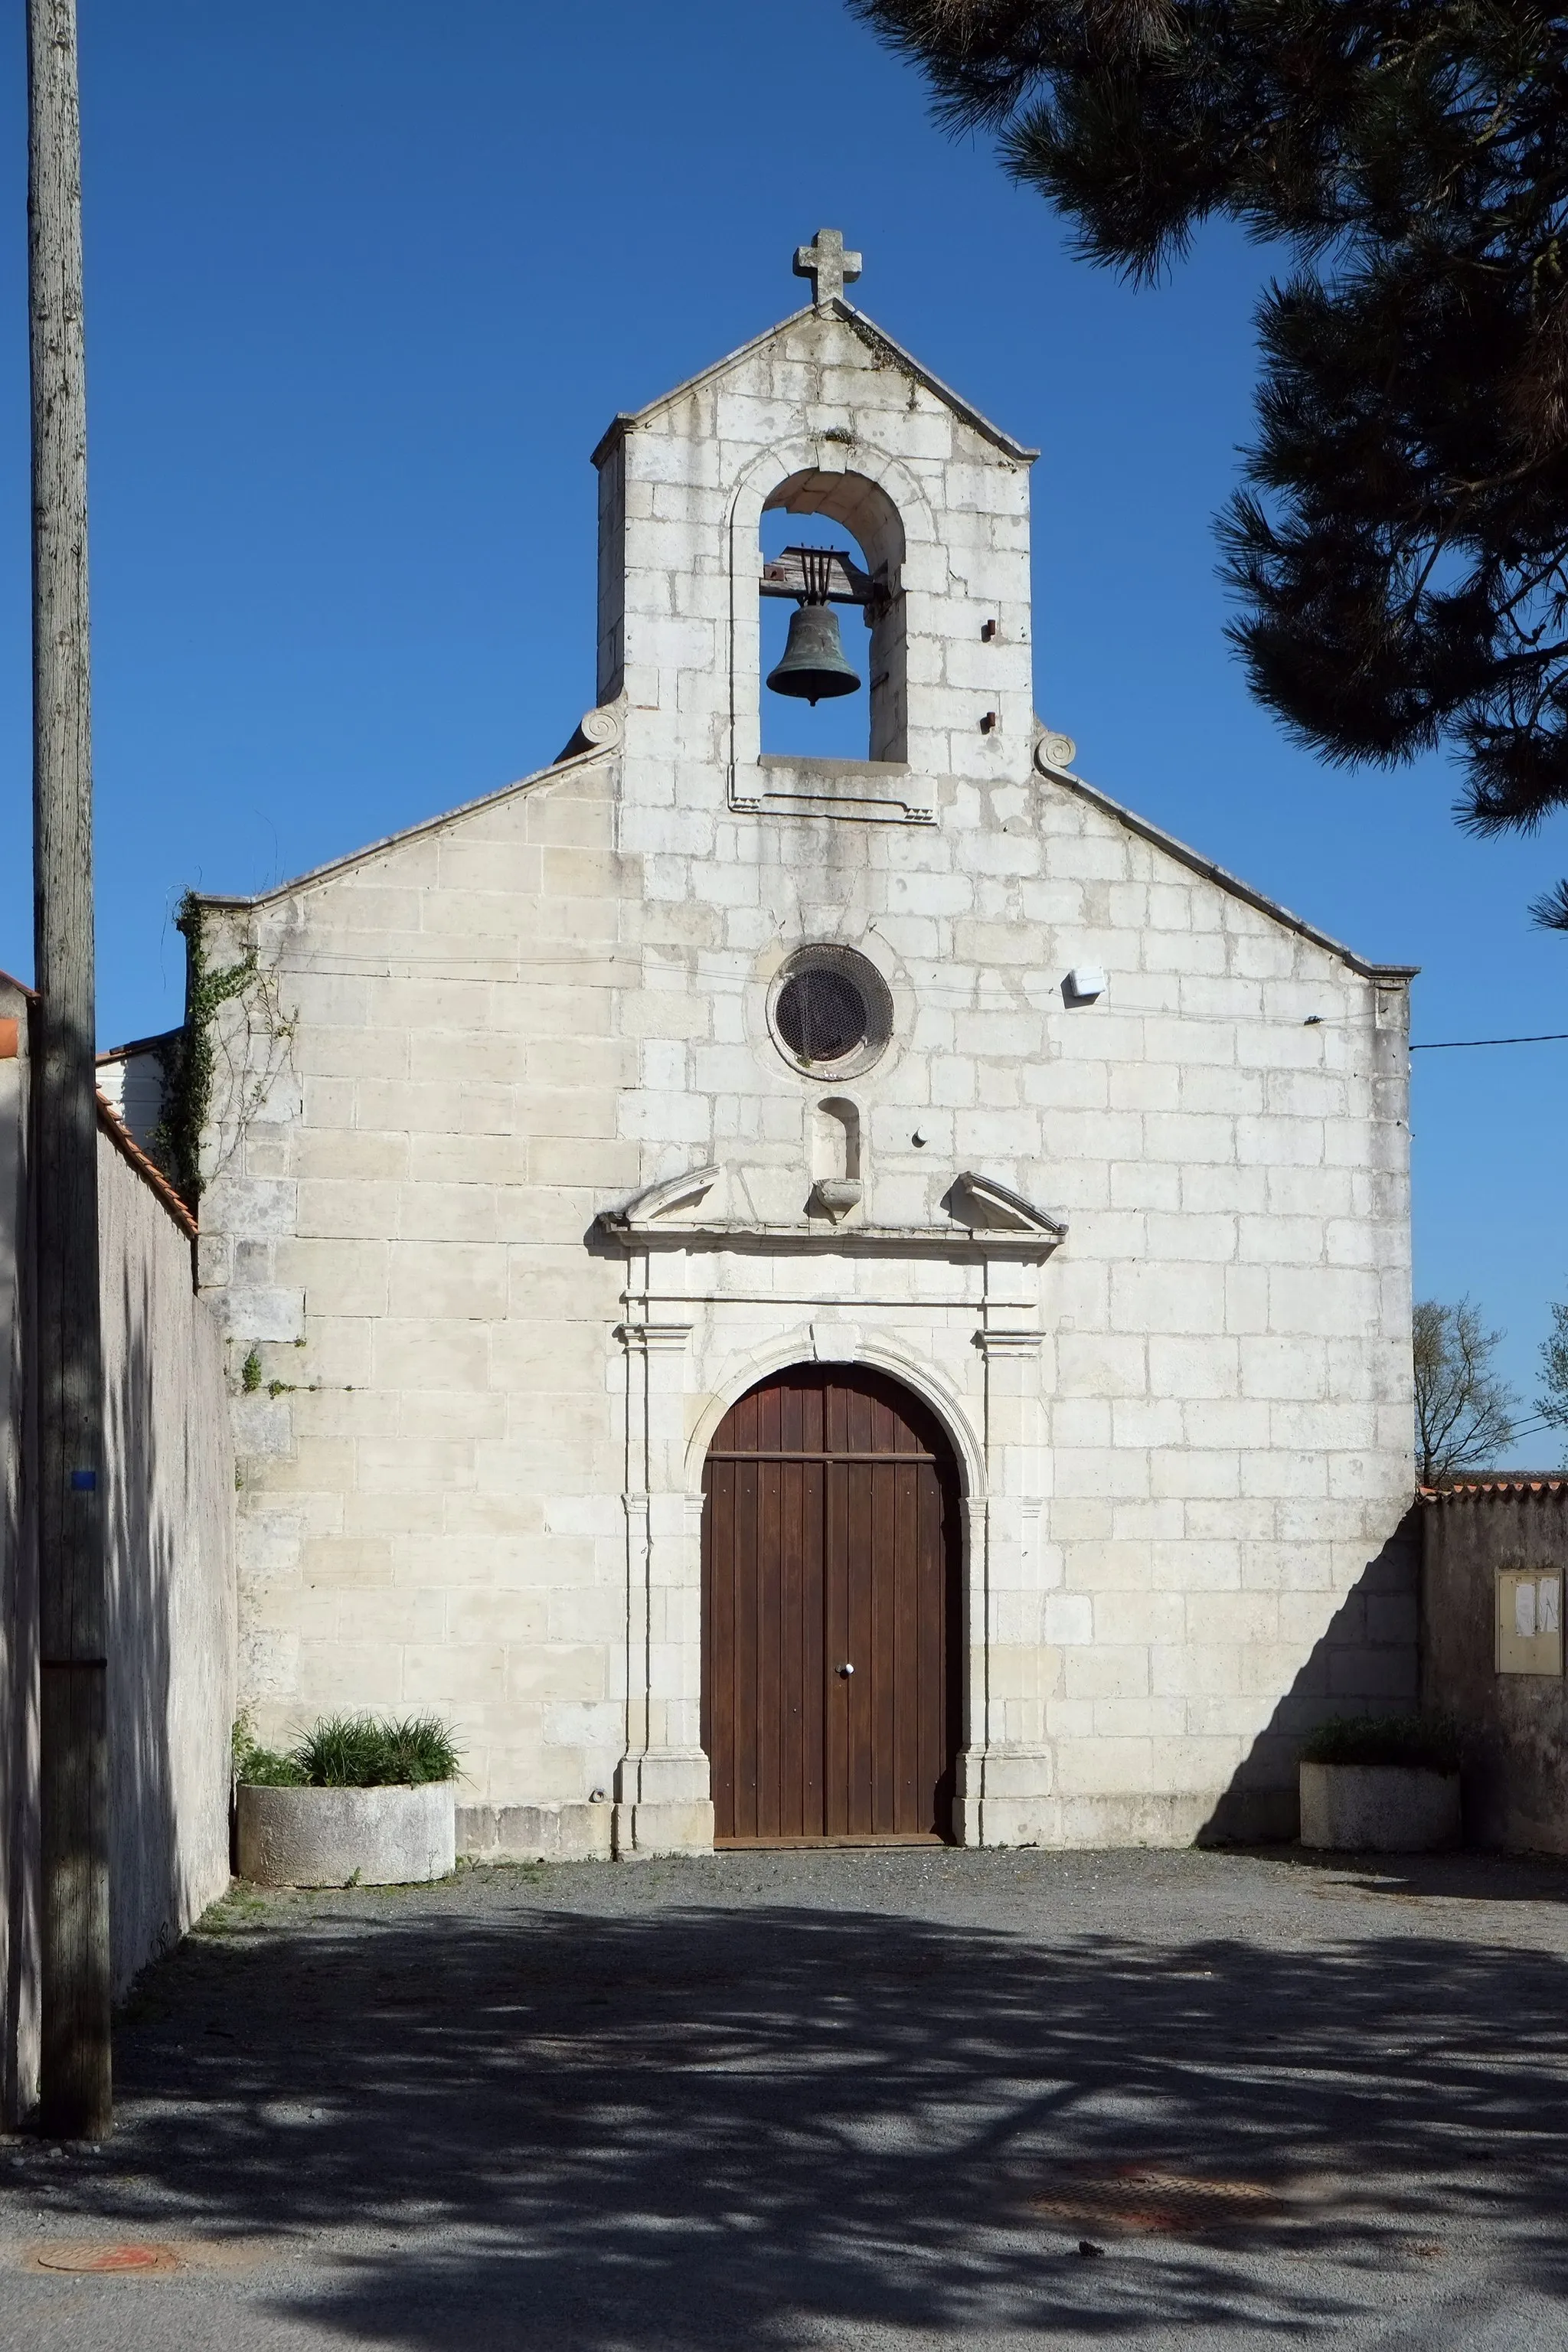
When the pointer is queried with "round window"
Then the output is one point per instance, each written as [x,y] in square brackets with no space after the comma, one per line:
[831,1011]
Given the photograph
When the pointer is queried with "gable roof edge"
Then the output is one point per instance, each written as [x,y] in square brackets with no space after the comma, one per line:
[869,330]
[1391,973]
[136,1045]
[599,733]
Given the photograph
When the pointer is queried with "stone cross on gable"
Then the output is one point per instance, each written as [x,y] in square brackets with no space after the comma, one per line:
[828,266]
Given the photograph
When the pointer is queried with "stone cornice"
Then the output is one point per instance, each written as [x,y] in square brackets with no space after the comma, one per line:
[1009,1342]
[965,1241]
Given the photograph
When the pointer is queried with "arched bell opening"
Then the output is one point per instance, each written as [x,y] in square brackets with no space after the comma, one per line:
[832,1624]
[824,621]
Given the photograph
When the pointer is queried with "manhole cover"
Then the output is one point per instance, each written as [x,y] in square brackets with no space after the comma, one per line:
[1148,2198]
[81,2258]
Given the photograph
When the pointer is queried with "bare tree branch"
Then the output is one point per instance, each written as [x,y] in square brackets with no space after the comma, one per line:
[1552,1401]
[1464,1413]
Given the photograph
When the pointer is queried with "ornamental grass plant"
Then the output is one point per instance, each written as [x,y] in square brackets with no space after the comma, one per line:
[351,1752]
[1422,1743]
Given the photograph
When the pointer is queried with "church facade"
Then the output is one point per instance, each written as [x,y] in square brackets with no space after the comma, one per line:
[794,1298]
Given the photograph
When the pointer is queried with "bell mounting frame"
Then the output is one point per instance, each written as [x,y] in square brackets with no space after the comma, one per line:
[825,575]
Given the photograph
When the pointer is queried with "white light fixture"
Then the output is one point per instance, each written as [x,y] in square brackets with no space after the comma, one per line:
[1085,981]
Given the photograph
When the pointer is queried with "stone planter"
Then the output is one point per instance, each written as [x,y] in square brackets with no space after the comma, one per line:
[327,1837]
[1379,1807]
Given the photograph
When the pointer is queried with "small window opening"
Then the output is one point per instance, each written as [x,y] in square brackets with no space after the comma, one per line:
[822,1016]
[831,1011]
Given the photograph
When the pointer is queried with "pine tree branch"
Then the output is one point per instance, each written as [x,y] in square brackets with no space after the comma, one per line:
[1397,551]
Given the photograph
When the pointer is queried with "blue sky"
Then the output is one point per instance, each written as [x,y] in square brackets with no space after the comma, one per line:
[366,278]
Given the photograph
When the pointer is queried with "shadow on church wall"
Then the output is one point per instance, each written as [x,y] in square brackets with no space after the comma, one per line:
[1367,1661]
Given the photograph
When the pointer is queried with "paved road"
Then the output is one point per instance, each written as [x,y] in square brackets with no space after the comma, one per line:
[851,2100]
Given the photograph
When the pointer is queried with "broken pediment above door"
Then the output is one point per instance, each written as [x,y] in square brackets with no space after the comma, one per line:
[658,1202]
[983,1217]
[986,1205]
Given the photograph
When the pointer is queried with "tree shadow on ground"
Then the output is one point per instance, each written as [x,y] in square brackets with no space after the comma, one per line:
[708,2126]
[1438,1879]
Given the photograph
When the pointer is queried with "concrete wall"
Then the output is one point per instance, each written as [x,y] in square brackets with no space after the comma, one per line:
[19,1593]
[169,1519]
[1516,1774]
[1186,1431]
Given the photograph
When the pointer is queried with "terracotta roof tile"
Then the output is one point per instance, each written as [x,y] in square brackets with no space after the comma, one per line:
[1485,1489]
[131,1151]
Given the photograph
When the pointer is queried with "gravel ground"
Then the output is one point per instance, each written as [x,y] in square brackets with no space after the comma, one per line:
[847,2099]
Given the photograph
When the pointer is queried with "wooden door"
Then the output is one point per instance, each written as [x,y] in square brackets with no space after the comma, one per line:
[830,1540]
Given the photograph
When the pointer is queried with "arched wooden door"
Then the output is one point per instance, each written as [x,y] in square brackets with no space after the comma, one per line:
[831,1643]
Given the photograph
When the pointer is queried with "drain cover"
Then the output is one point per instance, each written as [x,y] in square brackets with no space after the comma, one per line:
[1147,2197]
[81,2258]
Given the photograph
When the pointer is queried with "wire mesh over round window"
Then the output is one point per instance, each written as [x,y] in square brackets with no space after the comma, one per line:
[832,1010]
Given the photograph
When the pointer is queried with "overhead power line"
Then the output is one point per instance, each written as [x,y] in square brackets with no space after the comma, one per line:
[1451,1044]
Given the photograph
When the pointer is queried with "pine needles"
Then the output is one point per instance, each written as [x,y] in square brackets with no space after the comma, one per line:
[1399,549]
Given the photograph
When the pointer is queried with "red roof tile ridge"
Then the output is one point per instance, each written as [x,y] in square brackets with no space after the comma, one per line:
[131,1151]
[1470,1489]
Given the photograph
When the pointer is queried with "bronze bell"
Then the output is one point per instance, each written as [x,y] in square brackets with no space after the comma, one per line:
[814,667]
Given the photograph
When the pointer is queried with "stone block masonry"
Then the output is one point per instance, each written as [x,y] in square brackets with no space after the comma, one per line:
[528,1202]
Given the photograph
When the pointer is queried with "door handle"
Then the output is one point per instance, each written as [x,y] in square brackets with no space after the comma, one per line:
[845,1672]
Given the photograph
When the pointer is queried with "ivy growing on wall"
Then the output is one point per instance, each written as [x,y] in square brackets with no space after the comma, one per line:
[189,1060]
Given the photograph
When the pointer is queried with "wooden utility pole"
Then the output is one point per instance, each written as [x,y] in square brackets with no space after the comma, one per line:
[72,1613]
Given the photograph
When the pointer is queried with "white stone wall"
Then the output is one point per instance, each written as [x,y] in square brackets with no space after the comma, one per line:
[470,1475]
[168,1531]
